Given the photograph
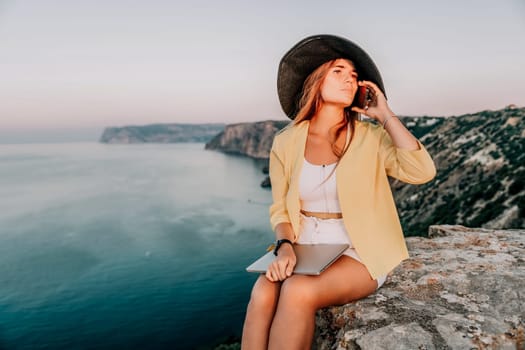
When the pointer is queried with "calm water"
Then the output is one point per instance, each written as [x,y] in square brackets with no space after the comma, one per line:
[135,246]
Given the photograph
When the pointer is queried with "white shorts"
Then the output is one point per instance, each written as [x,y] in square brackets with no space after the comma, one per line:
[315,230]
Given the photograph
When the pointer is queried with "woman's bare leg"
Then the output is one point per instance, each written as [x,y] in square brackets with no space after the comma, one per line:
[301,296]
[259,314]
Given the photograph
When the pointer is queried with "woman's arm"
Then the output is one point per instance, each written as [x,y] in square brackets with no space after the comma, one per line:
[400,135]
[379,110]
[414,166]
[279,184]
[403,155]
[282,267]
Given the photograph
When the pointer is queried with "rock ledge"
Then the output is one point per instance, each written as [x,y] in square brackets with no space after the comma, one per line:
[462,288]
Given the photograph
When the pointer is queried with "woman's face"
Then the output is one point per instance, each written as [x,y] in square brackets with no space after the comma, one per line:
[340,83]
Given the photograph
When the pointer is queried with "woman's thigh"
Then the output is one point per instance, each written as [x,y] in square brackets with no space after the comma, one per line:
[342,282]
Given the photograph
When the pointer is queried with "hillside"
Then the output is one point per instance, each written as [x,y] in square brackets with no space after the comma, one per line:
[161,133]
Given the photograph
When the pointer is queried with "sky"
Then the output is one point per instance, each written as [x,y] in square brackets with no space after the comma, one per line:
[86,65]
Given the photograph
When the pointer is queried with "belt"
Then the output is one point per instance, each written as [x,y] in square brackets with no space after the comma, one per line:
[322,215]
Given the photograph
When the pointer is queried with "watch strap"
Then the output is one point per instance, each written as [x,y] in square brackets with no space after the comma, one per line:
[279,243]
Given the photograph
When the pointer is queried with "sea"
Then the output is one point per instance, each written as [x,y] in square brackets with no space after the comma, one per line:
[139,246]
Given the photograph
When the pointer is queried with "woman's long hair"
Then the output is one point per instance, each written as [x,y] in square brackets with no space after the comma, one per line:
[311,102]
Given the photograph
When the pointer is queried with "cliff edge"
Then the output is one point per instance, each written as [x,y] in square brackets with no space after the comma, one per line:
[249,139]
[462,288]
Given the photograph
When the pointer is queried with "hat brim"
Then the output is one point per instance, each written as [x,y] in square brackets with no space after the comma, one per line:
[308,54]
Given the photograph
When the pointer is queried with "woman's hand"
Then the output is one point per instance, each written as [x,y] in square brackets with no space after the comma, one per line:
[282,267]
[377,108]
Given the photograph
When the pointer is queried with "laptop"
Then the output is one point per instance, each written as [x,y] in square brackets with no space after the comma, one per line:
[312,259]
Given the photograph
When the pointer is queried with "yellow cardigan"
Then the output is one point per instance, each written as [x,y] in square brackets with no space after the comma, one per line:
[366,201]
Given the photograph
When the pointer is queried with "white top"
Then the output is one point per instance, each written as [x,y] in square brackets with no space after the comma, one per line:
[314,196]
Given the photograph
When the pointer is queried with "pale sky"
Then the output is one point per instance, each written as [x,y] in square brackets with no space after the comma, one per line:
[91,64]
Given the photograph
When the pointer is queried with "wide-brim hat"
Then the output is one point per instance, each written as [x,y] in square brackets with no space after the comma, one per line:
[308,54]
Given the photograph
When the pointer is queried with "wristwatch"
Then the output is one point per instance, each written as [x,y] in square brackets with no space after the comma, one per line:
[279,243]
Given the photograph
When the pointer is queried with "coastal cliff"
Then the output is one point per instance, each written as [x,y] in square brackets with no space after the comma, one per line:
[161,133]
[461,288]
[250,139]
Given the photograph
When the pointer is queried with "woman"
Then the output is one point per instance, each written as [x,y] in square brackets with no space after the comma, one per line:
[328,171]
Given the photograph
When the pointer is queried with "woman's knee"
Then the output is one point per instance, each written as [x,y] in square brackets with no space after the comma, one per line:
[299,290]
[264,294]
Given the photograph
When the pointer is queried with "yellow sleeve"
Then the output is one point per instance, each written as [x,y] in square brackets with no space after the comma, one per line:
[410,166]
[279,183]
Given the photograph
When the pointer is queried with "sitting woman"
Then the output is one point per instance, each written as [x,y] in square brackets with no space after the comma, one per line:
[329,174]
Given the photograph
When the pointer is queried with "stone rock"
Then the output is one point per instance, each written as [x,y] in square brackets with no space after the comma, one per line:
[461,288]
[402,337]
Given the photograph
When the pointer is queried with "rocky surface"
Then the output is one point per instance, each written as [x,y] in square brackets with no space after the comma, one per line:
[249,139]
[461,289]
[161,133]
